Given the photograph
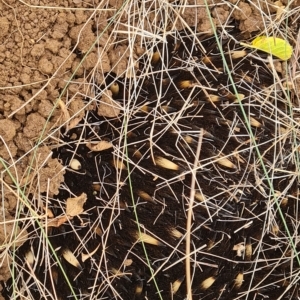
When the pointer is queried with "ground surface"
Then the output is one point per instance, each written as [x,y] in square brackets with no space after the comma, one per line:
[52,52]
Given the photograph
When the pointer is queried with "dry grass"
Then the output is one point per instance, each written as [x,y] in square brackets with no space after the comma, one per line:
[258,166]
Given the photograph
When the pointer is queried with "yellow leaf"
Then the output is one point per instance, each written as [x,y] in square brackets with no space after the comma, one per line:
[272,45]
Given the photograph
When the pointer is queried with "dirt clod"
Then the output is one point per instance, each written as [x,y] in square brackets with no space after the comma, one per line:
[4,25]
[7,130]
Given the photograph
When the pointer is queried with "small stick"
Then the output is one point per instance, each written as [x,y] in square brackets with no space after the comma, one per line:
[189,221]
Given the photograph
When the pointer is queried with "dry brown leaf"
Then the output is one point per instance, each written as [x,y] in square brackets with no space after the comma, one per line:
[74,206]
[100,146]
[49,212]
[68,120]
[57,221]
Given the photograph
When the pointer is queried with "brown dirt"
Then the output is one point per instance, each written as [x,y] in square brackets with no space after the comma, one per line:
[40,50]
